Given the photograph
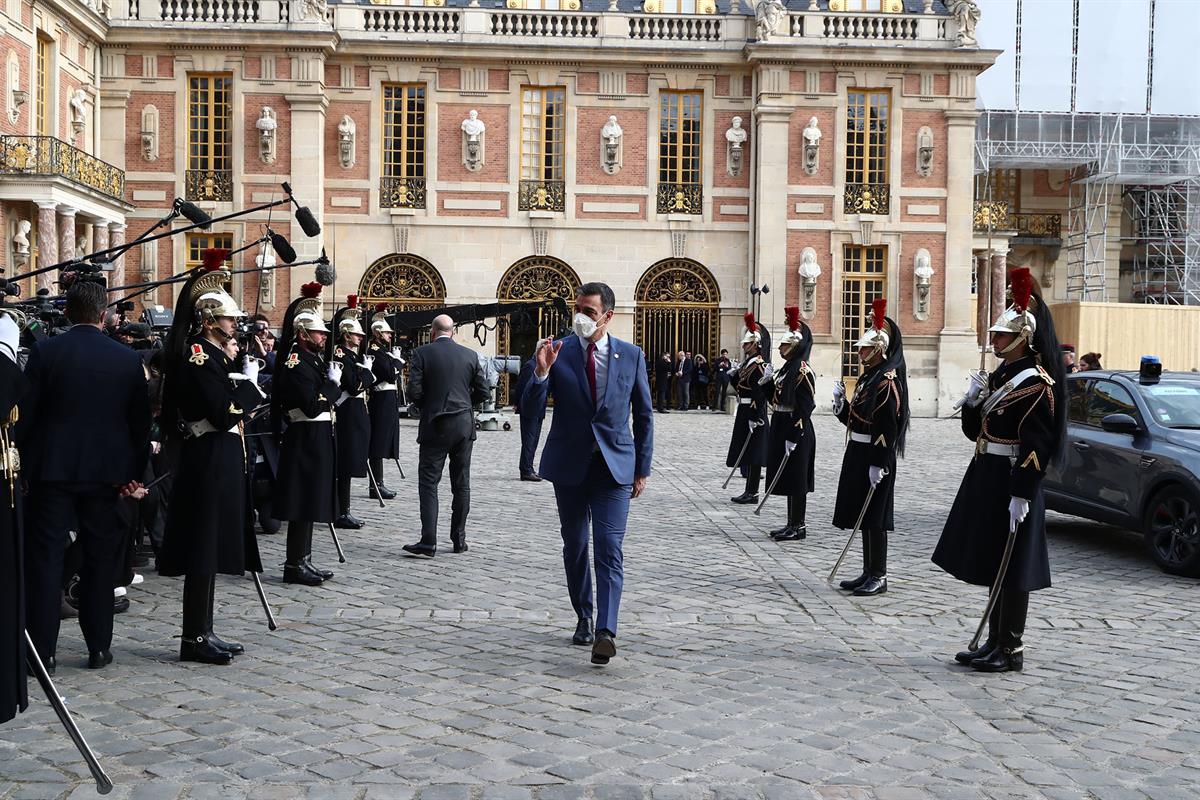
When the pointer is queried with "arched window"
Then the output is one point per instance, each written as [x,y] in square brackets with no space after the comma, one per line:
[534,278]
[677,309]
[404,282]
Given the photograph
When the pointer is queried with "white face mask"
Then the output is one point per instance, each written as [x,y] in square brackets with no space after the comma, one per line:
[585,326]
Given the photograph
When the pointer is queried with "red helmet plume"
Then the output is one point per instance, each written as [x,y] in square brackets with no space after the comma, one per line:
[878,312]
[751,325]
[213,257]
[1022,287]
[792,315]
[310,290]
[380,307]
[352,300]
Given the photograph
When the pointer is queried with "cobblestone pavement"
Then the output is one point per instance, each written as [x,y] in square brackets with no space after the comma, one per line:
[741,673]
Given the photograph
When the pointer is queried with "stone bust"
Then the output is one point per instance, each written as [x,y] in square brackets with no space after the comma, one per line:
[736,134]
[21,237]
[473,126]
[266,120]
[611,130]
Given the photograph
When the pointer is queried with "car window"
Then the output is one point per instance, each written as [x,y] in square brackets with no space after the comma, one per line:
[1175,404]
[1077,398]
[1108,397]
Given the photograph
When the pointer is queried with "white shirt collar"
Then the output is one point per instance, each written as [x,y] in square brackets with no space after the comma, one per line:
[601,345]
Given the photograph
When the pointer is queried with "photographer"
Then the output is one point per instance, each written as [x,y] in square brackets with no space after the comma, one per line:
[84,436]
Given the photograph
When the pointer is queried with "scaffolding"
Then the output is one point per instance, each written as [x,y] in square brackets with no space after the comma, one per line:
[1153,159]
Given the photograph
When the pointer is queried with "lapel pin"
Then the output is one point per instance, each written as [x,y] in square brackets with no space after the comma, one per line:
[616,355]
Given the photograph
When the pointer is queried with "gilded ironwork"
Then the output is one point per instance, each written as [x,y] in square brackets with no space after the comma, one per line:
[401,192]
[215,185]
[990,214]
[533,278]
[402,280]
[868,198]
[542,196]
[46,155]
[1037,225]
[680,198]
[678,308]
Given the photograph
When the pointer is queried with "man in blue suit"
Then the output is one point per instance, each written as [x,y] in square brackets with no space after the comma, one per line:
[531,423]
[594,462]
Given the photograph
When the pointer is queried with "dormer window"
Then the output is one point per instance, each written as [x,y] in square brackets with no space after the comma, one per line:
[544,5]
[680,7]
[885,6]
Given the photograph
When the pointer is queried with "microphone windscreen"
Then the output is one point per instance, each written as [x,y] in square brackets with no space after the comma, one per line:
[308,223]
[326,274]
[282,248]
[194,213]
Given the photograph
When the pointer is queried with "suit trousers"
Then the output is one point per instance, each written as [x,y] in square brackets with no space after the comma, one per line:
[603,503]
[531,434]
[453,441]
[90,509]
[683,391]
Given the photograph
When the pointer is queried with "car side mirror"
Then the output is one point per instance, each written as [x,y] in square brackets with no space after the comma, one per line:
[1120,423]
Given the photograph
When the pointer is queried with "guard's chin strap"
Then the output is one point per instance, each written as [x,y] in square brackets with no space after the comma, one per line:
[1023,336]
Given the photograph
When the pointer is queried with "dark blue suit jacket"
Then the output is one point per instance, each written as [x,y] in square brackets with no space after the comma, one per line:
[578,424]
[86,416]
[523,379]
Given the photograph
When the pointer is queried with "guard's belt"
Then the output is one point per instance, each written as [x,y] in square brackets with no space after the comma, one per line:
[383,387]
[296,415]
[785,409]
[865,438]
[996,449]
[197,429]
[745,401]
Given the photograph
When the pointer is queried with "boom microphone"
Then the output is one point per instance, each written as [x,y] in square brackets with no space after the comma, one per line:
[282,248]
[326,273]
[194,213]
[308,223]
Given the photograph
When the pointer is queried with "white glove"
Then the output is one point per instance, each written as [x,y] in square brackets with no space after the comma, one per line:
[768,371]
[1018,509]
[788,447]
[334,373]
[977,383]
[876,474]
[10,337]
[395,353]
[368,362]
[250,369]
[839,395]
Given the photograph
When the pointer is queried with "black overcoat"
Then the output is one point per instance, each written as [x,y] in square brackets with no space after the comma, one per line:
[209,527]
[353,426]
[976,531]
[794,388]
[384,405]
[12,586]
[874,412]
[304,484]
[750,388]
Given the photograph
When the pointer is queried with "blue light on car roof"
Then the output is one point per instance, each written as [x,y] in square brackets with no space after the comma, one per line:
[1150,370]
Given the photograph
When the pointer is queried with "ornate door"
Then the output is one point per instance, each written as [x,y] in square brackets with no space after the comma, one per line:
[864,279]
[677,309]
[406,283]
[533,278]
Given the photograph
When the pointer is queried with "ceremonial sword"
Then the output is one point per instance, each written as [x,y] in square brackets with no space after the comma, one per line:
[782,466]
[995,593]
[854,532]
[374,483]
[749,435]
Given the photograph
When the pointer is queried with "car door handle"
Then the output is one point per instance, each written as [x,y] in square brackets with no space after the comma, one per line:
[1080,445]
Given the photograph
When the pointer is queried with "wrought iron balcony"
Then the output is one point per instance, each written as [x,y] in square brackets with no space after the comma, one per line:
[991,214]
[680,198]
[1037,225]
[214,185]
[868,198]
[46,155]
[399,192]
[542,196]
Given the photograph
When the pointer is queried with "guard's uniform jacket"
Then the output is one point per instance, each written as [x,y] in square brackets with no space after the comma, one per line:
[12,586]
[1014,435]
[752,396]
[791,421]
[304,485]
[353,427]
[210,527]
[384,404]
[872,420]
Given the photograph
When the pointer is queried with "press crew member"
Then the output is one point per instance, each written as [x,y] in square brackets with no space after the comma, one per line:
[791,442]
[206,401]
[12,601]
[353,427]
[384,400]
[876,419]
[304,391]
[748,447]
[1017,419]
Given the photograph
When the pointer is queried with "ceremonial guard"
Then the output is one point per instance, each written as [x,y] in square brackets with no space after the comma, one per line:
[352,426]
[12,586]
[384,402]
[791,442]
[304,391]
[876,421]
[748,447]
[996,533]
[206,402]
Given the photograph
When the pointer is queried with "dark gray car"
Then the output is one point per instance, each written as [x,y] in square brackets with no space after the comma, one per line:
[1133,460]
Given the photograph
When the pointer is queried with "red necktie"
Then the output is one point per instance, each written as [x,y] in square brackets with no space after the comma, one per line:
[591,369]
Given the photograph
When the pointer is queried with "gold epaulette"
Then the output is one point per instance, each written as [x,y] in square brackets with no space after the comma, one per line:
[890,374]
[1045,376]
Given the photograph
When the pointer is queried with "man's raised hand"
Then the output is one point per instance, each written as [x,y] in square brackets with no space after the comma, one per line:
[547,354]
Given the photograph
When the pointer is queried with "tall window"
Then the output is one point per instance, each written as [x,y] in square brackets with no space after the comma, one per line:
[867,189]
[403,183]
[197,243]
[680,142]
[45,86]
[543,133]
[1000,186]
[210,118]
[864,279]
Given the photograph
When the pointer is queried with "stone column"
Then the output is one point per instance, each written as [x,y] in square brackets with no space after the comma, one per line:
[116,237]
[999,283]
[66,232]
[100,242]
[769,144]
[983,275]
[47,243]
[308,173]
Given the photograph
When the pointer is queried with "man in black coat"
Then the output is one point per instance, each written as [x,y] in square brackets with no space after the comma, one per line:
[446,383]
[12,595]
[384,400]
[683,380]
[530,421]
[352,425]
[664,371]
[84,432]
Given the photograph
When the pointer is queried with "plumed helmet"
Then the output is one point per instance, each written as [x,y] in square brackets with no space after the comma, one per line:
[794,335]
[351,316]
[1020,318]
[207,293]
[751,334]
[379,323]
[307,314]
[876,334]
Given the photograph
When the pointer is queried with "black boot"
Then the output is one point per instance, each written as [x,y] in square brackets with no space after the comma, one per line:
[991,643]
[853,584]
[296,568]
[345,518]
[233,648]
[197,611]
[876,582]
[302,573]
[1010,655]
[797,505]
[307,561]
[750,495]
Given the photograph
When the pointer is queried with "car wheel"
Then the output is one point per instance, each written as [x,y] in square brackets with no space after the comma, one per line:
[1172,529]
